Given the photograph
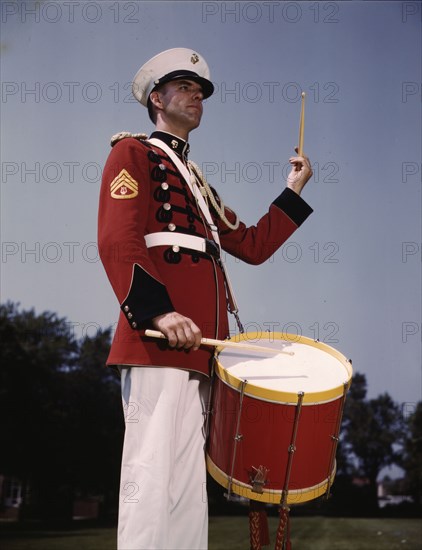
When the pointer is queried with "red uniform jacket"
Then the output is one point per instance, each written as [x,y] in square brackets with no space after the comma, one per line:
[142,192]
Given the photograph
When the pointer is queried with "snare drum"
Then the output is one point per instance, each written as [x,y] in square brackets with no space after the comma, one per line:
[275,418]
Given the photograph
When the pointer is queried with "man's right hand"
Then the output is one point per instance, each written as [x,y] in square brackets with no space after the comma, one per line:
[180,331]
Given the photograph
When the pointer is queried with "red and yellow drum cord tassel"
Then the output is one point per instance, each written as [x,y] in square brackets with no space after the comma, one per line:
[283,532]
[258,525]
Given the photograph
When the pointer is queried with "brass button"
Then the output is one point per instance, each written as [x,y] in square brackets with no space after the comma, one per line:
[167,206]
[126,308]
[171,227]
[129,316]
[134,325]
[161,167]
[164,185]
[175,248]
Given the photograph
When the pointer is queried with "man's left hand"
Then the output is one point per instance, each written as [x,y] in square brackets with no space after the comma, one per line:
[300,173]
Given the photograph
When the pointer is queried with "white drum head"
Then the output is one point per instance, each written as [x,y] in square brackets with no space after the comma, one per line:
[302,365]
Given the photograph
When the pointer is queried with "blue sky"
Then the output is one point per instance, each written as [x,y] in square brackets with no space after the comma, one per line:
[350,276]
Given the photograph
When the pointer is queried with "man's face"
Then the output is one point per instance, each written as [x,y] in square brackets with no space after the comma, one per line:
[181,103]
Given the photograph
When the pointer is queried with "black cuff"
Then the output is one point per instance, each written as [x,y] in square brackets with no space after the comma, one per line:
[147,298]
[293,205]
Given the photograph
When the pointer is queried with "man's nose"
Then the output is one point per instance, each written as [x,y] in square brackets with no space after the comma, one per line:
[198,94]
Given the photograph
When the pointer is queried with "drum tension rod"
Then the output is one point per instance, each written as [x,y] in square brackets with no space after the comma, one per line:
[209,410]
[238,437]
[291,451]
[335,438]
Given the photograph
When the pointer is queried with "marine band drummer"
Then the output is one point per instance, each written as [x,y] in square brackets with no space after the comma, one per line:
[161,228]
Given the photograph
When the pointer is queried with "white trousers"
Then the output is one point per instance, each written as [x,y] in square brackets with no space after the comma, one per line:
[163,500]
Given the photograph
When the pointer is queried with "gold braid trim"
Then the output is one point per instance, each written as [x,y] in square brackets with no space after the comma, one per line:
[207,191]
[122,135]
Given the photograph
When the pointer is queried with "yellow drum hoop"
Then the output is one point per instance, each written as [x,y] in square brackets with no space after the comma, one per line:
[276,396]
[271,496]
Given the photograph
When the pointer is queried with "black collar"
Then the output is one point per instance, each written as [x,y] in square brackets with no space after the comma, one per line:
[176,144]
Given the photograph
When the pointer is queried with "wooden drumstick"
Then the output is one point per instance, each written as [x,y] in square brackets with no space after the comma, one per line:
[223,343]
[302,126]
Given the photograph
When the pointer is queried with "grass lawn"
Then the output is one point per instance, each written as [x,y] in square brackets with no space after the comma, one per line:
[231,533]
[321,533]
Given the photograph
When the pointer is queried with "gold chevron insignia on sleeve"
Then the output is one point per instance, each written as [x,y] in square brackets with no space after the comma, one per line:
[124,186]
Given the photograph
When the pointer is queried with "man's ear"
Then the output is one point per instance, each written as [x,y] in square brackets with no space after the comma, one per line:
[155,98]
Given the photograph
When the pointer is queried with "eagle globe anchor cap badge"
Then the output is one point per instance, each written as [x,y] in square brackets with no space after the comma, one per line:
[173,64]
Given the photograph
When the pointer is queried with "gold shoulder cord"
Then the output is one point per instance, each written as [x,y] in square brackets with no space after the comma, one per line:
[206,191]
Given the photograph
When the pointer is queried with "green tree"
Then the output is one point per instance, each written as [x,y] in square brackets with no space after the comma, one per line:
[37,352]
[98,425]
[60,407]
[411,460]
[354,400]
[373,431]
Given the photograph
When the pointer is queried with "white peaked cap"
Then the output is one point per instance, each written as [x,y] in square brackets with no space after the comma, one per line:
[169,65]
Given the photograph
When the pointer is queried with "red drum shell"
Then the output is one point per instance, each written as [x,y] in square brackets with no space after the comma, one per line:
[266,429]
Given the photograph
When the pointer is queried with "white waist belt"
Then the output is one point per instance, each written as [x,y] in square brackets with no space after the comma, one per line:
[185,241]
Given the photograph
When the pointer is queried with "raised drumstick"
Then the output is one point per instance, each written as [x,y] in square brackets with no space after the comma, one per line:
[302,126]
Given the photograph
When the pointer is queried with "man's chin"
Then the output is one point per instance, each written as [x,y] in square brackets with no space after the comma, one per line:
[194,124]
